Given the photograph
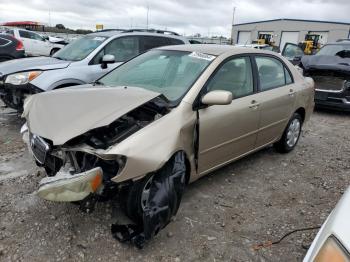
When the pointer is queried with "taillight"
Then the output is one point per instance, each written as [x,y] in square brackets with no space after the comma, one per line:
[19,46]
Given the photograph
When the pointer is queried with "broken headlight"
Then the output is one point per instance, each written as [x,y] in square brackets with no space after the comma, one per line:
[22,78]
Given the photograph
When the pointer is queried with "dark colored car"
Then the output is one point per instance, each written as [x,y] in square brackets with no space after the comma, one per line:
[10,48]
[330,69]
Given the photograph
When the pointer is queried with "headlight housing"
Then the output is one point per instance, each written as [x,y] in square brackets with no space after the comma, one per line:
[332,250]
[22,78]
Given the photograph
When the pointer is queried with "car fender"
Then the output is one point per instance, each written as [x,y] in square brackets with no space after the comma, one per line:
[52,79]
[150,148]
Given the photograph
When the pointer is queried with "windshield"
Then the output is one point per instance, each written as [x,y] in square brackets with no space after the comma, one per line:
[333,49]
[80,48]
[170,73]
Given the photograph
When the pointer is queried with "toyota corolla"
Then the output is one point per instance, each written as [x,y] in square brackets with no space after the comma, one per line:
[160,121]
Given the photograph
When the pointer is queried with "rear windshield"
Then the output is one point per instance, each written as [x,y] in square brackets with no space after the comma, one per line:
[80,48]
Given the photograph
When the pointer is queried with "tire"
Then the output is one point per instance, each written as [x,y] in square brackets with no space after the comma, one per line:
[290,135]
[133,206]
[169,179]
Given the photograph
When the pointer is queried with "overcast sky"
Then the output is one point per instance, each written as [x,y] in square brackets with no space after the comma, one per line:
[212,17]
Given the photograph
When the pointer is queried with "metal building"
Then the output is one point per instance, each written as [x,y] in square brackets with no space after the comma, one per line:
[289,30]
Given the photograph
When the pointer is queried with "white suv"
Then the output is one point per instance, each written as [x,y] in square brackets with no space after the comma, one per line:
[34,44]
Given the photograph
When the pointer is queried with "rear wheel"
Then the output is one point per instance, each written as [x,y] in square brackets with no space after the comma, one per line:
[290,135]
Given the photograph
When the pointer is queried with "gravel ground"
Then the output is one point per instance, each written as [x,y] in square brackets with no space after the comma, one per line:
[223,216]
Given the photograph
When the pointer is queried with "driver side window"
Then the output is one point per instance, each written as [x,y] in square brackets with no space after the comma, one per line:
[123,49]
[234,76]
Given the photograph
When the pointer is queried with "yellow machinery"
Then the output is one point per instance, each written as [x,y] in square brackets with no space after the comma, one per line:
[311,44]
[264,39]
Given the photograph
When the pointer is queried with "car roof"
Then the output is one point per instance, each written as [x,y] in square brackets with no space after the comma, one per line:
[214,49]
[112,33]
[252,45]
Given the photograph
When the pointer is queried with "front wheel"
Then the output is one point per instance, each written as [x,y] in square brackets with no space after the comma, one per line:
[290,135]
[154,200]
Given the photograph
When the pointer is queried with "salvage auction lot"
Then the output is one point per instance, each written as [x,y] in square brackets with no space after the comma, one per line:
[223,216]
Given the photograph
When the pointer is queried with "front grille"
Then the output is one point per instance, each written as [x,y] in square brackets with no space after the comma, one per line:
[39,147]
[332,83]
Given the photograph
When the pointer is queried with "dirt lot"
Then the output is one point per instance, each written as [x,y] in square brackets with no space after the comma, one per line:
[222,216]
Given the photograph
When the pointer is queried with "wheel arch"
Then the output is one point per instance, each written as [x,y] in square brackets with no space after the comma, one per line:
[302,112]
[65,83]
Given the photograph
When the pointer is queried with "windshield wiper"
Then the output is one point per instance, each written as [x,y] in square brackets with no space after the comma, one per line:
[59,58]
[97,83]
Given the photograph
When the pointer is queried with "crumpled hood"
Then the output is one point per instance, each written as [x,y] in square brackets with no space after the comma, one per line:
[34,63]
[63,114]
[323,62]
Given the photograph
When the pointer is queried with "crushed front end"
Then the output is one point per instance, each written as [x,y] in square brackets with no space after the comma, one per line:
[81,166]
[73,173]
[114,150]
[332,89]
[331,74]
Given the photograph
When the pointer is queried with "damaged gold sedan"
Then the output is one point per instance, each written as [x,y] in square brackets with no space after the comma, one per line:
[160,121]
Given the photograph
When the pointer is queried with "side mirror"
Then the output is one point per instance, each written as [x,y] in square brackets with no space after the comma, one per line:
[45,38]
[217,97]
[107,59]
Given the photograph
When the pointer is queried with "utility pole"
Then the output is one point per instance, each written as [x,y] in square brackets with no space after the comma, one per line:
[233,22]
[147,14]
[49,17]
[48,5]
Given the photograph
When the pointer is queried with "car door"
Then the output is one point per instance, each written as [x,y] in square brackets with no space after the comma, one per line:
[276,98]
[227,132]
[293,53]
[123,49]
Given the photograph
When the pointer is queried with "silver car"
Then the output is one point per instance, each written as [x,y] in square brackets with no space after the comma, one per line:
[80,62]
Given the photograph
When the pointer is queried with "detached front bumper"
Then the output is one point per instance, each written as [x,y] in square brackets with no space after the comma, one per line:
[332,99]
[14,95]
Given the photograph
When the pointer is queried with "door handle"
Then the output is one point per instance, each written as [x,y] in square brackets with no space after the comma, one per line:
[291,92]
[254,104]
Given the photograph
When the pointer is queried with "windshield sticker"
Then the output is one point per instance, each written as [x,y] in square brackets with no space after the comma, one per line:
[98,38]
[202,56]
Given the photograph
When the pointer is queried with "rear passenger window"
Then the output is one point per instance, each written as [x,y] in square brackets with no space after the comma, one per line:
[234,76]
[173,41]
[150,42]
[272,73]
[123,48]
